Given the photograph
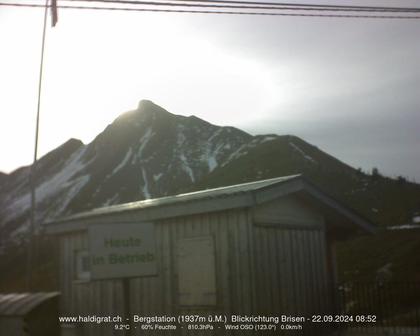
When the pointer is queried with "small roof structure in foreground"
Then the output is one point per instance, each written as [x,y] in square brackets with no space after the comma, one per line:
[217,199]
[19,304]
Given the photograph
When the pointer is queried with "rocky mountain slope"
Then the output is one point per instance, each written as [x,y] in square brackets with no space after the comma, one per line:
[149,152]
[385,201]
[144,153]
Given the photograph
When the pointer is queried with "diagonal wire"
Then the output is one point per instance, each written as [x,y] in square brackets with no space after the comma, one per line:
[270,5]
[215,12]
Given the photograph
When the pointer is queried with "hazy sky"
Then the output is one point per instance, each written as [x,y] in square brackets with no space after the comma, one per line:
[349,86]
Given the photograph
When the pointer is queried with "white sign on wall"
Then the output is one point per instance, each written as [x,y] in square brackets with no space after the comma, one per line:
[122,250]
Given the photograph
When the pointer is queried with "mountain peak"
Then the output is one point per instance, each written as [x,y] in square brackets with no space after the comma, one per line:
[146,104]
[146,111]
[150,108]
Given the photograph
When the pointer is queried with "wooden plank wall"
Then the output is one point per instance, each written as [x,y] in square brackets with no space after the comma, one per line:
[86,298]
[157,295]
[258,270]
[292,271]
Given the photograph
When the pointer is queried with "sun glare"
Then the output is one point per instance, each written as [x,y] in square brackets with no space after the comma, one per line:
[94,73]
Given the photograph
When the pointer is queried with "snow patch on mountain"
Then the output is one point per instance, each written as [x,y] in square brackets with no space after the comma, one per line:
[212,163]
[48,188]
[145,186]
[210,155]
[74,188]
[180,136]
[236,154]
[215,134]
[112,200]
[156,177]
[123,162]
[186,167]
[212,158]
[243,149]
[179,151]
[296,148]
[268,138]
[143,143]
[404,227]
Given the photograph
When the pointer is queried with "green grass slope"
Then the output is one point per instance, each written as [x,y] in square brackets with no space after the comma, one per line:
[383,200]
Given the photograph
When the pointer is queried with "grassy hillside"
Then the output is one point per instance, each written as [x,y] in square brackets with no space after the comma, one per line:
[389,255]
[383,200]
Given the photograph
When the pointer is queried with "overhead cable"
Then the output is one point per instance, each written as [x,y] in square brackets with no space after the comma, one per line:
[260,4]
[228,12]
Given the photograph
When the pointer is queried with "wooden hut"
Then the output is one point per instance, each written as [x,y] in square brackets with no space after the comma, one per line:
[263,248]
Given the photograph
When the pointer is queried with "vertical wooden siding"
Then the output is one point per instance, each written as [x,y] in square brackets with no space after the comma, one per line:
[292,272]
[86,298]
[158,295]
[258,270]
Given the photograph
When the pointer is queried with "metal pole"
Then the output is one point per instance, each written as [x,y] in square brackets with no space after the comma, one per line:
[32,173]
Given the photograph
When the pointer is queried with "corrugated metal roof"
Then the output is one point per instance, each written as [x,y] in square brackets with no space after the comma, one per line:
[187,197]
[218,199]
[18,304]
